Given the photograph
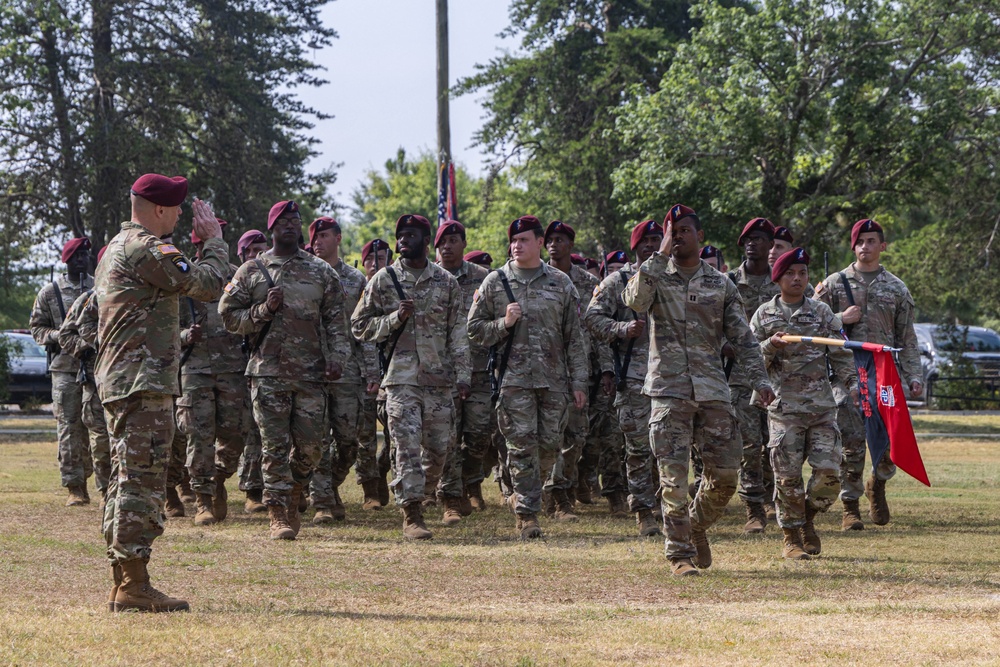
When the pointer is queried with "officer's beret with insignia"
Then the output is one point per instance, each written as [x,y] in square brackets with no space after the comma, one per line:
[616,257]
[480,257]
[560,227]
[322,224]
[248,239]
[161,190]
[756,225]
[710,252]
[71,246]
[373,246]
[863,227]
[678,212]
[280,210]
[782,264]
[526,223]
[783,234]
[412,220]
[449,227]
[644,229]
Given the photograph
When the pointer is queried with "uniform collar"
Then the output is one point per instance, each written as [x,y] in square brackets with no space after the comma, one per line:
[853,272]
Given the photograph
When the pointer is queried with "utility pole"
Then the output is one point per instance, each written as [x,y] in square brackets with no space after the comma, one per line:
[443,120]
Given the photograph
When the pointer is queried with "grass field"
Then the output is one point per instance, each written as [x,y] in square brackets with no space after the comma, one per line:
[924,590]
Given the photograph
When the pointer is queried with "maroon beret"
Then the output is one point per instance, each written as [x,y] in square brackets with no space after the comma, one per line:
[161,190]
[526,223]
[321,225]
[578,259]
[783,234]
[248,239]
[480,257]
[863,227]
[196,239]
[678,212]
[71,246]
[644,229]
[280,209]
[413,220]
[560,227]
[591,263]
[793,256]
[100,254]
[449,227]
[369,247]
[757,225]
[616,257]
[710,251]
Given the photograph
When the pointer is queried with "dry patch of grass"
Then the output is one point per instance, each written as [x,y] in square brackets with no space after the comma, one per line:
[923,590]
[43,422]
[944,422]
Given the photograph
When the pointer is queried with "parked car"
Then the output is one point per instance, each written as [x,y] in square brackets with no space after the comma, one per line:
[982,348]
[29,380]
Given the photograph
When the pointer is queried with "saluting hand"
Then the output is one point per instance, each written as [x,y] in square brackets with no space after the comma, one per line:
[405,309]
[275,299]
[635,329]
[512,315]
[204,224]
[668,237]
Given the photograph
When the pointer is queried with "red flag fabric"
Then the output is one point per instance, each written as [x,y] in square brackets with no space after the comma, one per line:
[892,406]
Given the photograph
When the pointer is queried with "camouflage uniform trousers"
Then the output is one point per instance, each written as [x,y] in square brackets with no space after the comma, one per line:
[291,415]
[672,426]
[797,439]
[176,456]
[421,420]
[633,418]
[852,467]
[566,471]
[753,432]
[496,457]
[470,440]
[212,415]
[100,444]
[366,467]
[75,463]
[340,446]
[532,422]
[248,470]
[141,428]
[603,450]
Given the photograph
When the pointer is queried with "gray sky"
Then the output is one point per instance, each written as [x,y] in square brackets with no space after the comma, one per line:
[382,77]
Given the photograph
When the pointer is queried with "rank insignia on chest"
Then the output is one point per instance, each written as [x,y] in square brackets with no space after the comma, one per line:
[693,298]
[181,263]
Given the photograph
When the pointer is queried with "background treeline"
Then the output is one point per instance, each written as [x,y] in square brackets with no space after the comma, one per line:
[604,113]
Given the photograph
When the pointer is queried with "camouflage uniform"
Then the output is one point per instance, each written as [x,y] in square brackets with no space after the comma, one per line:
[137,365]
[887,319]
[213,411]
[689,322]
[75,464]
[431,355]
[72,342]
[607,319]
[532,410]
[340,446]
[287,369]
[366,469]
[802,419]
[756,478]
[471,439]
[248,470]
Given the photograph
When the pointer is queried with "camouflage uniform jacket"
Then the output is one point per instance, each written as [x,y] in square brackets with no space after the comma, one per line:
[688,323]
[543,354]
[46,318]
[137,286]
[218,351]
[86,320]
[433,349]
[798,371]
[753,295]
[470,276]
[886,314]
[598,356]
[608,318]
[70,339]
[353,281]
[309,330]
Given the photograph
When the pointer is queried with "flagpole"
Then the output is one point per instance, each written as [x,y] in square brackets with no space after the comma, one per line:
[837,342]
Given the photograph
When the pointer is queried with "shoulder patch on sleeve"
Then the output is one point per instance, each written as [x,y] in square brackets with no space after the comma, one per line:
[181,263]
[168,249]
[230,286]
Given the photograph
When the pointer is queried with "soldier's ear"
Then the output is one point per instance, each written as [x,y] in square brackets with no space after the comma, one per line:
[701,236]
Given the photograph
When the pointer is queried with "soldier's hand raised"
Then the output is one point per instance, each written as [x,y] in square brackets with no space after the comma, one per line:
[512,315]
[580,399]
[668,237]
[275,299]
[405,309]
[635,329]
[204,224]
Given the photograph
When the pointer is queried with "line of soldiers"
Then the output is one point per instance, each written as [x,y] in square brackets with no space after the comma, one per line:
[279,369]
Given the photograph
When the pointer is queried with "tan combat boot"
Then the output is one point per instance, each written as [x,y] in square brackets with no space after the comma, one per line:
[452,511]
[703,559]
[756,518]
[220,501]
[792,548]
[771,511]
[548,503]
[116,576]
[204,516]
[564,508]
[255,502]
[136,593]
[583,493]
[413,522]
[338,509]
[294,501]
[187,495]
[475,494]
[464,506]
[372,501]
[280,530]
[878,511]
[647,524]
[527,525]
[852,516]
[322,516]
[77,496]
[618,504]
[173,507]
[683,567]
[810,540]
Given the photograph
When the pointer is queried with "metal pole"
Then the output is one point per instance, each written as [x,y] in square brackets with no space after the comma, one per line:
[443,121]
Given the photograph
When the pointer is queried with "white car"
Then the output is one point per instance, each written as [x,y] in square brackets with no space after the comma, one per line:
[29,381]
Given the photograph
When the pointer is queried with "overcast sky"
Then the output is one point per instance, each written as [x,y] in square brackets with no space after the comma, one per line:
[381,73]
